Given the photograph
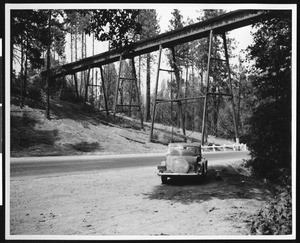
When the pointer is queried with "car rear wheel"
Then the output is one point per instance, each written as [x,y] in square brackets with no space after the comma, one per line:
[205,169]
[164,179]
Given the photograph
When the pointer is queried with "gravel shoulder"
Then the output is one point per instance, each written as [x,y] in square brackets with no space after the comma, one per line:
[133,202]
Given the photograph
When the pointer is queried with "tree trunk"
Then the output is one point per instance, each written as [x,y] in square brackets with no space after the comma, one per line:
[71,39]
[193,73]
[76,86]
[180,117]
[22,77]
[76,58]
[84,55]
[140,63]
[25,72]
[82,78]
[71,51]
[76,46]
[171,97]
[63,84]
[206,129]
[185,96]
[214,113]
[102,84]
[93,71]
[148,88]
[47,113]
[239,96]
[87,87]
[239,106]
[201,83]
[139,83]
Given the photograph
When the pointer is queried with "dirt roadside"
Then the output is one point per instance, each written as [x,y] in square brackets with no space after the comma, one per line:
[133,202]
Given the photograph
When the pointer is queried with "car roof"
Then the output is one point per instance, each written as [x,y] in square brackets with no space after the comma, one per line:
[185,144]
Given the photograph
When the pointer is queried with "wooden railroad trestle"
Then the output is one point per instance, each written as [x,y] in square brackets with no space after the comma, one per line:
[217,25]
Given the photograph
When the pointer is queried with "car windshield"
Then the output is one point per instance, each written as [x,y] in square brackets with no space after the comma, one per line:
[183,151]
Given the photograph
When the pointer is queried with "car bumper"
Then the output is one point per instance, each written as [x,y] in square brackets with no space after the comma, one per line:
[178,174]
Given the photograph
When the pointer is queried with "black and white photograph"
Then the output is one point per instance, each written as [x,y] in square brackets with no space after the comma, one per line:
[150,121]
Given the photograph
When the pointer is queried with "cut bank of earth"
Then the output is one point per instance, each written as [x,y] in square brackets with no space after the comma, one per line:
[74,129]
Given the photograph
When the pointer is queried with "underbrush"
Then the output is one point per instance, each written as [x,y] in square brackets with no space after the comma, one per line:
[24,134]
[165,138]
[275,218]
[86,147]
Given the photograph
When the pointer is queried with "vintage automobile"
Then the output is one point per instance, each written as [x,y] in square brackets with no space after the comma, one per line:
[182,159]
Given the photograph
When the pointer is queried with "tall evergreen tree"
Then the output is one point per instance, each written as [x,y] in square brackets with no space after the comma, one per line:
[30,37]
[178,57]
[149,28]
[269,132]
[182,52]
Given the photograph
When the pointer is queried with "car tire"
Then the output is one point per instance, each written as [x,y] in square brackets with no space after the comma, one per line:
[164,179]
[206,169]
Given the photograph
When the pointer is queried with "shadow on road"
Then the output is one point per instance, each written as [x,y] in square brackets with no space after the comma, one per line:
[222,182]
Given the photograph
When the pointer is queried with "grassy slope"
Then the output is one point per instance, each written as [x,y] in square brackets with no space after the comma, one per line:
[73,130]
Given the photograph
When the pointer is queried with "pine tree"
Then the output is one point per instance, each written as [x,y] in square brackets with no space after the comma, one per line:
[149,28]
[178,57]
[28,28]
[29,31]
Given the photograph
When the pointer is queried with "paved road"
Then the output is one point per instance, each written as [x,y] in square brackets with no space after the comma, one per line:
[43,166]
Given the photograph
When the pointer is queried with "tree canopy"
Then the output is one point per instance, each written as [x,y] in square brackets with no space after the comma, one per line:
[29,31]
[119,26]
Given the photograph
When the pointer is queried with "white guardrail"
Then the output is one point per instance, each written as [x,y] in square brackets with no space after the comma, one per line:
[224,147]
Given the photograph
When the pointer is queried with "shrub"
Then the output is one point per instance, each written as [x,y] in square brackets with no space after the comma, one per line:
[35,93]
[269,140]
[276,217]
[24,133]
[268,134]
[86,147]
[166,138]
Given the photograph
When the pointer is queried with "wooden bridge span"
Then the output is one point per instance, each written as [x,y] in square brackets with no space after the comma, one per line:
[220,24]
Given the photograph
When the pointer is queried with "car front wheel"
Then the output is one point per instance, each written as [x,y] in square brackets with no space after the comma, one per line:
[164,179]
